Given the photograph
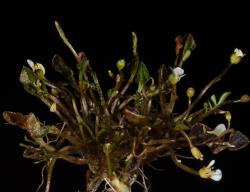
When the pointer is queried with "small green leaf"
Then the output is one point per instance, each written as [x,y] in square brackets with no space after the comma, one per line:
[142,76]
[213,99]
[188,46]
[223,97]
[120,64]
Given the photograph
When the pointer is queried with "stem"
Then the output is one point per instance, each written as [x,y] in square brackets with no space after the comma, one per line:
[51,165]
[81,122]
[125,102]
[61,106]
[202,116]
[130,80]
[163,101]
[172,99]
[182,166]
[74,160]
[187,138]
[205,89]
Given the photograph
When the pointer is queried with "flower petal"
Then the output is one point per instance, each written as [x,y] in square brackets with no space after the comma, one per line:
[31,64]
[39,66]
[219,129]
[211,163]
[216,175]
[178,71]
[238,52]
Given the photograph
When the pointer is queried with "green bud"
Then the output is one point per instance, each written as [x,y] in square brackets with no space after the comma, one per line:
[120,64]
[190,92]
[236,56]
[228,116]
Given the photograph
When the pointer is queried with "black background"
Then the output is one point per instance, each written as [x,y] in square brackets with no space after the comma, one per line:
[103,31]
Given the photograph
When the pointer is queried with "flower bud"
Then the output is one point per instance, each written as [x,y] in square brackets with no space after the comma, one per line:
[196,153]
[228,116]
[236,56]
[120,64]
[190,92]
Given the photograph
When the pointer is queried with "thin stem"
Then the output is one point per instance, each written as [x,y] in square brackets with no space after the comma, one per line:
[182,166]
[206,88]
[61,106]
[172,99]
[115,89]
[187,138]
[163,102]
[74,160]
[132,76]
[81,122]
[125,102]
[130,80]
[51,165]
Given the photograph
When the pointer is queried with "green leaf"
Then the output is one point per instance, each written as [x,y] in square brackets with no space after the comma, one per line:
[28,79]
[27,76]
[142,76]
[188,46]
[59,66]
[223,97]
[186,55]
[82,66]
[213,99]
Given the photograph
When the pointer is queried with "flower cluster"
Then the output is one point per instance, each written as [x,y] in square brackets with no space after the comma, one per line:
[115,133]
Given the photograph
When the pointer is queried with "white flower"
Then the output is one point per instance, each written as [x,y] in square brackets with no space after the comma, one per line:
[208,172]
[218,130]
[238,52]
[178,72]
[36,66]
[176,75]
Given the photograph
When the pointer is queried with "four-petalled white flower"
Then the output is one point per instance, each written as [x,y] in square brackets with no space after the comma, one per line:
[218,130]
[208,172]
